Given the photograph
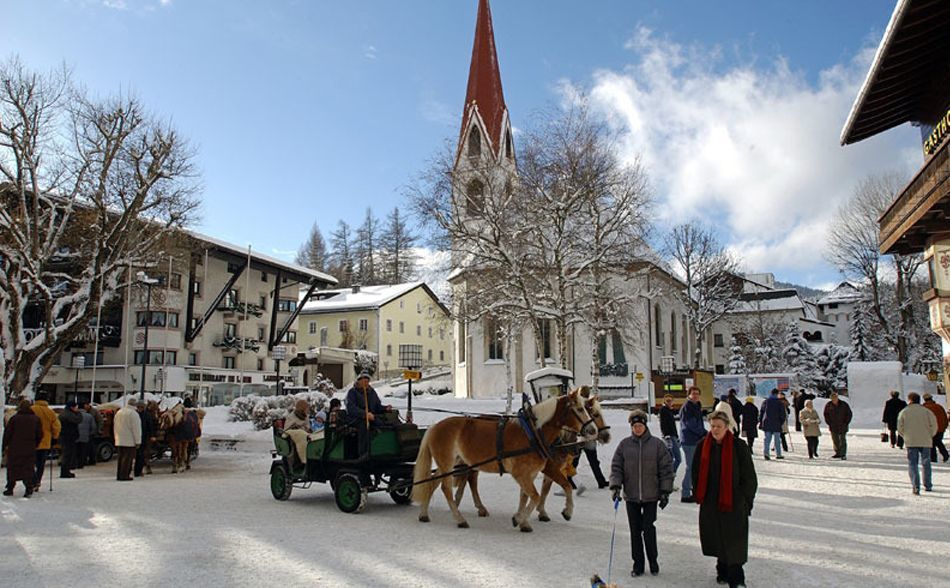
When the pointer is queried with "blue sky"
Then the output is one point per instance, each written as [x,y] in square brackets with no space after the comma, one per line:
[309,112]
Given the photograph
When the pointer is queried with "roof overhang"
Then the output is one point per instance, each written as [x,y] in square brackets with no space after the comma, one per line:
[912,53]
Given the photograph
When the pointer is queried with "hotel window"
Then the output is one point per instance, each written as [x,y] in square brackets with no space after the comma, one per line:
[289,337]
[230,330]
[389,325]
[402,327]
[494,339]
[286,305]
[155,357]
[418,330]
[418,308]
[430,332]
[344,326]
[442,334]
[312,327]
[389,350]
[231,298]
[173,320]
[430,356]
[192,359]
[196,288]
[442,356]
[228,363]
[364,325]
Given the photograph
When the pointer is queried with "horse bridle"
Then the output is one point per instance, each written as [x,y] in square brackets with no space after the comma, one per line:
[590,402]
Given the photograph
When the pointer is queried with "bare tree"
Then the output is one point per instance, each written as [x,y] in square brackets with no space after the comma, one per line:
[365,251]
[89,188]
[710,288]
[313,253]
[340,260]
[853,248]
[396,249]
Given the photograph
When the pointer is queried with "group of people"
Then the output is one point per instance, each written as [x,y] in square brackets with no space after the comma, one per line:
[919,428]
[35,429]
[720,477]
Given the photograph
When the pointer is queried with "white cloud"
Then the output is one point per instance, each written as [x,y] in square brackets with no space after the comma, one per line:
[369,52]
[753,151]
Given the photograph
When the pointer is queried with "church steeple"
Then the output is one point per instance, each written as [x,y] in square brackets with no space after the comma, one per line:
[484,99]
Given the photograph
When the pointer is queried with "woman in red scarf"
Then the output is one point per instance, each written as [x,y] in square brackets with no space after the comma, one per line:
[725,483]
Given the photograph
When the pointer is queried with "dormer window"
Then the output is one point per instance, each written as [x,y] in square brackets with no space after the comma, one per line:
[474,143]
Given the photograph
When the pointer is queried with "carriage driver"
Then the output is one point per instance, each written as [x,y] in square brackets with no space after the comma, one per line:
[362,406]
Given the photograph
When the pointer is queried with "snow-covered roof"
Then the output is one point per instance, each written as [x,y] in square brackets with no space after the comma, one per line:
[261,258]
[366,298]
[548,371]
[843,294]
[769,301]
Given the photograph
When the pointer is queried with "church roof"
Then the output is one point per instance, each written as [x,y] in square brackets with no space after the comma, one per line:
[484,94]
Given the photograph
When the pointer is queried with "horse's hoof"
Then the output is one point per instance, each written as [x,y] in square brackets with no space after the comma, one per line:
[544,518]
[463,525]
[514,522]
[483,513]
[526,529]
[423,519]
[566,515]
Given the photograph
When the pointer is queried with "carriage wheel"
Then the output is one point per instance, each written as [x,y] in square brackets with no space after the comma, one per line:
[280,484]
[104,452]
[401,491]
[349,493]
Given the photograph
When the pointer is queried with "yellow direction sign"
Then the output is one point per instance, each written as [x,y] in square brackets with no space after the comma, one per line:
[639,376]
[412,375]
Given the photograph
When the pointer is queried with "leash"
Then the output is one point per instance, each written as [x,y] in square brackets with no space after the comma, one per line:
[613,534]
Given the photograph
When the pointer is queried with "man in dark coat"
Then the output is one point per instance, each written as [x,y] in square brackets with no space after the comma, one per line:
[149,430]
[892,409]
[725,504]
[772,420]
[838,417]
[736,405]
[750,421]
[362,407]
[668,430]
[69,419]
[20,437]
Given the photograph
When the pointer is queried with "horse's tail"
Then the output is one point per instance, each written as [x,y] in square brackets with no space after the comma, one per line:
[422,491]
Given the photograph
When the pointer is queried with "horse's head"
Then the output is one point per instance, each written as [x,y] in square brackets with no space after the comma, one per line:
[603,429]
[577,417]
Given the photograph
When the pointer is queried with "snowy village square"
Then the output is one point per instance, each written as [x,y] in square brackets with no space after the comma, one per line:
[474,293]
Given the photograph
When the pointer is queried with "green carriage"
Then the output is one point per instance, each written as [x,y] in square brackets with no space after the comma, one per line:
[335,457]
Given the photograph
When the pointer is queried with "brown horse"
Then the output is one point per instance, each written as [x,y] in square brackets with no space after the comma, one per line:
[475,442]
[180,433]
[554,470]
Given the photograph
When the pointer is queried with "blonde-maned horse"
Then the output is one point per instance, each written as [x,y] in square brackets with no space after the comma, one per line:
[178,435]
[555,470]
[474,441]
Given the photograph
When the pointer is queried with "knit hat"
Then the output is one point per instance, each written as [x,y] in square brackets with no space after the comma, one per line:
[363,374]
[70,404]
[637,416]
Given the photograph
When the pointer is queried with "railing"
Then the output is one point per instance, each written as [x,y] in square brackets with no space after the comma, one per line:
[614,369]
[239,308]
[238,343]
[109,336]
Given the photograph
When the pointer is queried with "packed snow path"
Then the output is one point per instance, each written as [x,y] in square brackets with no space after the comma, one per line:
[815,523]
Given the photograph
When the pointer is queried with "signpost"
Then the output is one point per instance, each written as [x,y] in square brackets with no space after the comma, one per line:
[410,359]
[279,352]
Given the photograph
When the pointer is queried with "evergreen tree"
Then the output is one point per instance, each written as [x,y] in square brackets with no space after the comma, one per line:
[737,363]
[365,250]
[396,249]
[313,253]
[860,336]
[799,356]
[341,254]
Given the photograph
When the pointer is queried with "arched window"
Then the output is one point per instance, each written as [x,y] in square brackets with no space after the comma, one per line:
[672,331]
[509,149]
[474,142]
[658,327]
[474,196]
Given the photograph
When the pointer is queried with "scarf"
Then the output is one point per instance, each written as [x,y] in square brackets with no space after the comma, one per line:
[725,474]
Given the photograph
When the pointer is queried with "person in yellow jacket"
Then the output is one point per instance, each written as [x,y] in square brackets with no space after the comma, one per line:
[51,426]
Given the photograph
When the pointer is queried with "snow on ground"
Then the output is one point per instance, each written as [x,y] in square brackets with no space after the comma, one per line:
[815,523]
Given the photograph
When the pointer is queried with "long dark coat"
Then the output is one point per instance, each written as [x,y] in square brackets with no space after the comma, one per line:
[725,535]
[892,408]
[20,438]
[750,420]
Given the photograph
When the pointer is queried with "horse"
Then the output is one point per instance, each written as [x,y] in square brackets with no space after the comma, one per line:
[180,431]
[476,442]
[554,470]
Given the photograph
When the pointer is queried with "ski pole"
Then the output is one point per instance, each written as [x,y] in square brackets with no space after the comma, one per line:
[48,458]
[613,534]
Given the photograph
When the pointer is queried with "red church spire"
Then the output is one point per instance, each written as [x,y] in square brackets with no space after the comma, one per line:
[484,93]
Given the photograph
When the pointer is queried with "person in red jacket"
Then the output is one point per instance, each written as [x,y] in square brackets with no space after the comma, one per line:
[941,415]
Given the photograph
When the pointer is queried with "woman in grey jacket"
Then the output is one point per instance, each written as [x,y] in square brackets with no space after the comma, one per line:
[643,468]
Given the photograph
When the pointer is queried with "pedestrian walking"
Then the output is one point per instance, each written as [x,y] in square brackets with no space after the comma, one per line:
[668,430]
[893,408]
[51,428]
[725,482]
[811,427]
[692,431]
[788,411]
[941,415]
[736,405]
[642,469]
[69,421]
[590,451]
[724,406]
[837,418]
[918,426]
[772,419]
[127,428]
[21,436]
[799,398]
[87,431]
[750,421]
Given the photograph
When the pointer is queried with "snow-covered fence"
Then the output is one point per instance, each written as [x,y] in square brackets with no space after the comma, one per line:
[264,410]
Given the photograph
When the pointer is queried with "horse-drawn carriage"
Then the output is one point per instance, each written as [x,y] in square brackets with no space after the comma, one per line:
[334,456]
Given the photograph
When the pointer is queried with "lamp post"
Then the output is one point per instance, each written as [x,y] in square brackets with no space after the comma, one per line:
[279,352]
[143,278]
[79,362]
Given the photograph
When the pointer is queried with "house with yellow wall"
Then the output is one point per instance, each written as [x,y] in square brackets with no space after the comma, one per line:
[379,319]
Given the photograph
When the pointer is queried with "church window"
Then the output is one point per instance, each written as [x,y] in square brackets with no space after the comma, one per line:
[474,195]
[474,143]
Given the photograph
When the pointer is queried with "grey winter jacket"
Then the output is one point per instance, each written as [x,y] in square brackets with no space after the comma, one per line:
[87,428]
[643,467]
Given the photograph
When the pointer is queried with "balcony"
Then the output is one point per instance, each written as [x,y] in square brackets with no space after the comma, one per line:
[238,344]
[109,336]
[620,370]
[239,308]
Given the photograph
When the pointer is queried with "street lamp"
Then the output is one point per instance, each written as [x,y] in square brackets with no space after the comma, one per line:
[142,278]
[79,362]
[667,363]
[279,352]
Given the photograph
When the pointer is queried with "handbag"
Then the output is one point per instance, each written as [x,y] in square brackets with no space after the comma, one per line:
[885,436]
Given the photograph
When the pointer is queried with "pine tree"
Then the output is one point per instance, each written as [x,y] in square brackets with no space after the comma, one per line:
[396,249]
[365,250]
[341,254]
[737,363]
[799,356]
[860,336]
[313,252]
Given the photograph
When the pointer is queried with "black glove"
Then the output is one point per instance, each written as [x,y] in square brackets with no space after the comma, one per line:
[615,493]
[664,500]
